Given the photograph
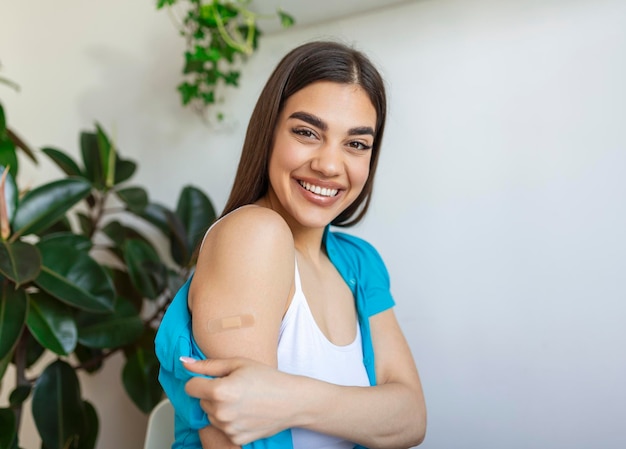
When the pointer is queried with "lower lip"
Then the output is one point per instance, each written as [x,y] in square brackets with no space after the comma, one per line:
[318,199]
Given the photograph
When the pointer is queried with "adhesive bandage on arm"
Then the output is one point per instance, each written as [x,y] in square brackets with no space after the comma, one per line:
[230,323]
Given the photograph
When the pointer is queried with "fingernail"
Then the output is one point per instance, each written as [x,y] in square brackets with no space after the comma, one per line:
[187,359]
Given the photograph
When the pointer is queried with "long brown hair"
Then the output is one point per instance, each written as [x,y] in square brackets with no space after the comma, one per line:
[304,65]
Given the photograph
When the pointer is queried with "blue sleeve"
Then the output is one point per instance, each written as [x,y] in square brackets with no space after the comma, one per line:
[173,340]
[376,282]
[358,260]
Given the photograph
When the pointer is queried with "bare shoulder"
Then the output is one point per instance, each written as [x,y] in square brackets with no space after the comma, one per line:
[251,225]
[253,230]
[252,245]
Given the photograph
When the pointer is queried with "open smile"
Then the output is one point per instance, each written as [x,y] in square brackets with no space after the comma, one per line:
[322,191]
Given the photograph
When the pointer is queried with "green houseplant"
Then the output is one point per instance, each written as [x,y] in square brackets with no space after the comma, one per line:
[80,278]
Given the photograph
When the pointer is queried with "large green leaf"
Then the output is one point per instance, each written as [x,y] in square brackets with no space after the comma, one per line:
[120,328]
[118,234]
[70,275]
[147,272]
[107,156]
[124,169]
[57,406]
[8,428]
[135,198]
[196,212]
[19,395]
[91,158]
[19,261]
[52,324]
[42,207]
[124,287]
[178,239]
[146,342]
[115,231]
[140,377]
[10,193]
[89,433]
[63,225]
[68,239]
[156,214]
[8,156]
[13,311]
[103,166]
[63,161]
[87,226]
[34,350]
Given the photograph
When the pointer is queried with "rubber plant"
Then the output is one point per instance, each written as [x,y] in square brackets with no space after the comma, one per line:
[81,278]
[218,33]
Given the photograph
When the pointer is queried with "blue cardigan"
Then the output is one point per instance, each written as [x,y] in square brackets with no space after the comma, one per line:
[360,266]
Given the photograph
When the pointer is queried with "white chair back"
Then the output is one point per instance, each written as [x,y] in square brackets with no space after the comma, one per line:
[160,430]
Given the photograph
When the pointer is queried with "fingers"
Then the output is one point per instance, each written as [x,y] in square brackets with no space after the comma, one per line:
[211,367]
[210,389]
[200,388]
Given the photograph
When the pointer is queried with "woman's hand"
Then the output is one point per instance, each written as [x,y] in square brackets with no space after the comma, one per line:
[246,400]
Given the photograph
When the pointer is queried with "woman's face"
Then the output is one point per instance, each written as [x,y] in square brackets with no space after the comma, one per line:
[321,155]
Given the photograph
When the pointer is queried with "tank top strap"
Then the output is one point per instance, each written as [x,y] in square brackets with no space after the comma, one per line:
[297,280]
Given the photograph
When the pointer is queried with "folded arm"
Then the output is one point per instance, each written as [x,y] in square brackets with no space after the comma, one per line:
[389,415]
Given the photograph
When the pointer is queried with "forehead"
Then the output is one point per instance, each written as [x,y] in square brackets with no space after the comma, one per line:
[336,103]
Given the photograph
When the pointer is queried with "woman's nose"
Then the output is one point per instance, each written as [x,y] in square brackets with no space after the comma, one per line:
[327,160]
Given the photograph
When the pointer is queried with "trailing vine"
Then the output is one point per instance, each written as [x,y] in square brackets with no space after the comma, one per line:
[220,34]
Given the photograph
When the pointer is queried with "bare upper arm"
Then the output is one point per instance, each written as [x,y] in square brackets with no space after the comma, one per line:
[245,267]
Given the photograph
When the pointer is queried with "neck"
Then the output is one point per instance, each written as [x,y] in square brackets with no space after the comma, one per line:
[308,243]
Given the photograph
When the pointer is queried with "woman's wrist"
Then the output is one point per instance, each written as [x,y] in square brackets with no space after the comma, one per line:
[307,400]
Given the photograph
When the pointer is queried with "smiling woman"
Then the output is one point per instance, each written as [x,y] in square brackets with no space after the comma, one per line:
[321,360]
[322,145]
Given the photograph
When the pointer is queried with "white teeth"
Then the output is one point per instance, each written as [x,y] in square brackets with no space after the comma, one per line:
[323,191]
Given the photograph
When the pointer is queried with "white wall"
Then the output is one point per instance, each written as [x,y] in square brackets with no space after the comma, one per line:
[500,201]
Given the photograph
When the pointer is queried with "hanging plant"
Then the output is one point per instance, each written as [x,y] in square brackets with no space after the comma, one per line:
[219,35]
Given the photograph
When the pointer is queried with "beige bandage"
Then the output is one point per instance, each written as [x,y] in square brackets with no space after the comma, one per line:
[230,323]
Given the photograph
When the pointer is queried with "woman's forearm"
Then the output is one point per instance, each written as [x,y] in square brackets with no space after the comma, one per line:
[392,415]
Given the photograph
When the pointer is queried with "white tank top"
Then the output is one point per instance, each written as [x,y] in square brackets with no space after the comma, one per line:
[303,349]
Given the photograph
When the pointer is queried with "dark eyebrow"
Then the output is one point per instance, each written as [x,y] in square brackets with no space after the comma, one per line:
[319,123]
[361,130]
[310,119]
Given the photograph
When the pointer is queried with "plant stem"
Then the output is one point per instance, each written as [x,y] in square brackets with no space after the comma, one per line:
[98,212]
[246,49]
[93,361]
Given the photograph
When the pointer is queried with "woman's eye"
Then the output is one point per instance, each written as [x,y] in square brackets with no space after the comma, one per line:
[303,132]
[359,146]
